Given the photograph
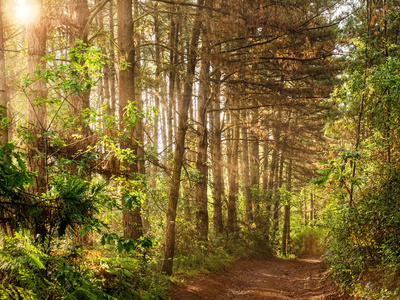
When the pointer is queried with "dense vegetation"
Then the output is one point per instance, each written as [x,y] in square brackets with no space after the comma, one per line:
[145,139]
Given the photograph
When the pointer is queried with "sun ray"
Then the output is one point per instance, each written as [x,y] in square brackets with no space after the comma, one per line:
[24,11]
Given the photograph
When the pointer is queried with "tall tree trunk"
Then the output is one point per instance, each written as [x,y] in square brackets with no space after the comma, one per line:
[202,139]
[265,183]
[254,163]
[171,86]
[157,96]
[5,215]
[164,117]
[138,134]
[286,220]
[216,156]
[131,218]
[311,207]
[305,212]
[272,182]
[37,114]
[183,110]
[265,164]
[233,178]
[80,16]
[106,86]
[114,164]
[112,59]
[245,172]
[277,174]
[3,84]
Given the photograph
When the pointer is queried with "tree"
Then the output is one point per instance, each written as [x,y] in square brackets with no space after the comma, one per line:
[132,223]
[36,98]
[3,86]
[202,134]
[216,154]
[183,111]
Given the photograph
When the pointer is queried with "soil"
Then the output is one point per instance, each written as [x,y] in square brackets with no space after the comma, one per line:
[305,278]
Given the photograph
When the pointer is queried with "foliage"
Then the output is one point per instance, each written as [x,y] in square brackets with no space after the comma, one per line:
[26,272]
[365,238]
[14,176]
[130,278]
[203,257]
[307,240]
[362,171]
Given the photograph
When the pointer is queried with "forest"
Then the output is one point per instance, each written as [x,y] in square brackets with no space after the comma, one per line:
[143,142]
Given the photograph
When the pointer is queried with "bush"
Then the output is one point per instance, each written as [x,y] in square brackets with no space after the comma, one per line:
[27,272]
[364,254]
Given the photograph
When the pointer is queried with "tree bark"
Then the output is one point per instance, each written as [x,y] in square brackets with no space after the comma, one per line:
[216,156]
[79,17]
[37,114]
[202,140]
[183,110]
[6,215]
[265,187]
[171,86]
[286,220]
[265,164]
[131,218]
[245,172]
[311,207]
[154,168]
[233,178]
[112,60]
[3,84]
[254,163]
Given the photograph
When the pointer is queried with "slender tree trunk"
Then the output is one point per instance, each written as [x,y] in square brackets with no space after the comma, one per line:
[112,60]
[245,173]
[265,182]
[183,109]
[216,156]
[5,215]
[311,207]
[265,177]
[286,220]
[3,78]
[277,174]
[157,96]
[37,114]
[80,16]
[164,117]
[138,132]
[112,76]
[131,218]
[202,140]
[233,178]
[305,212]
[171,86]
[278,185]
[272,182]
[254,163]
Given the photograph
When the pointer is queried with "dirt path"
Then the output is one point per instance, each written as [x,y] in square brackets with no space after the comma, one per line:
[266,279]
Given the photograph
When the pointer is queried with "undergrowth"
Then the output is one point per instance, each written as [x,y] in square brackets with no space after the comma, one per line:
[27,272]
[363,252]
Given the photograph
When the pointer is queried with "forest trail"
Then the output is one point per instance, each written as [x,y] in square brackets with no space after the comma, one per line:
[273,279]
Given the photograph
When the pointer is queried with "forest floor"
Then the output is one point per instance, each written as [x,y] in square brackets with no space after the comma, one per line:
[275,278]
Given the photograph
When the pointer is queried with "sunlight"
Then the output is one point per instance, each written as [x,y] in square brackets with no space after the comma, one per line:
[25,12]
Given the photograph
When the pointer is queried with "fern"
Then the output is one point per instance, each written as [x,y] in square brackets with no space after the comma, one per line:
[10,292]
[86,294]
